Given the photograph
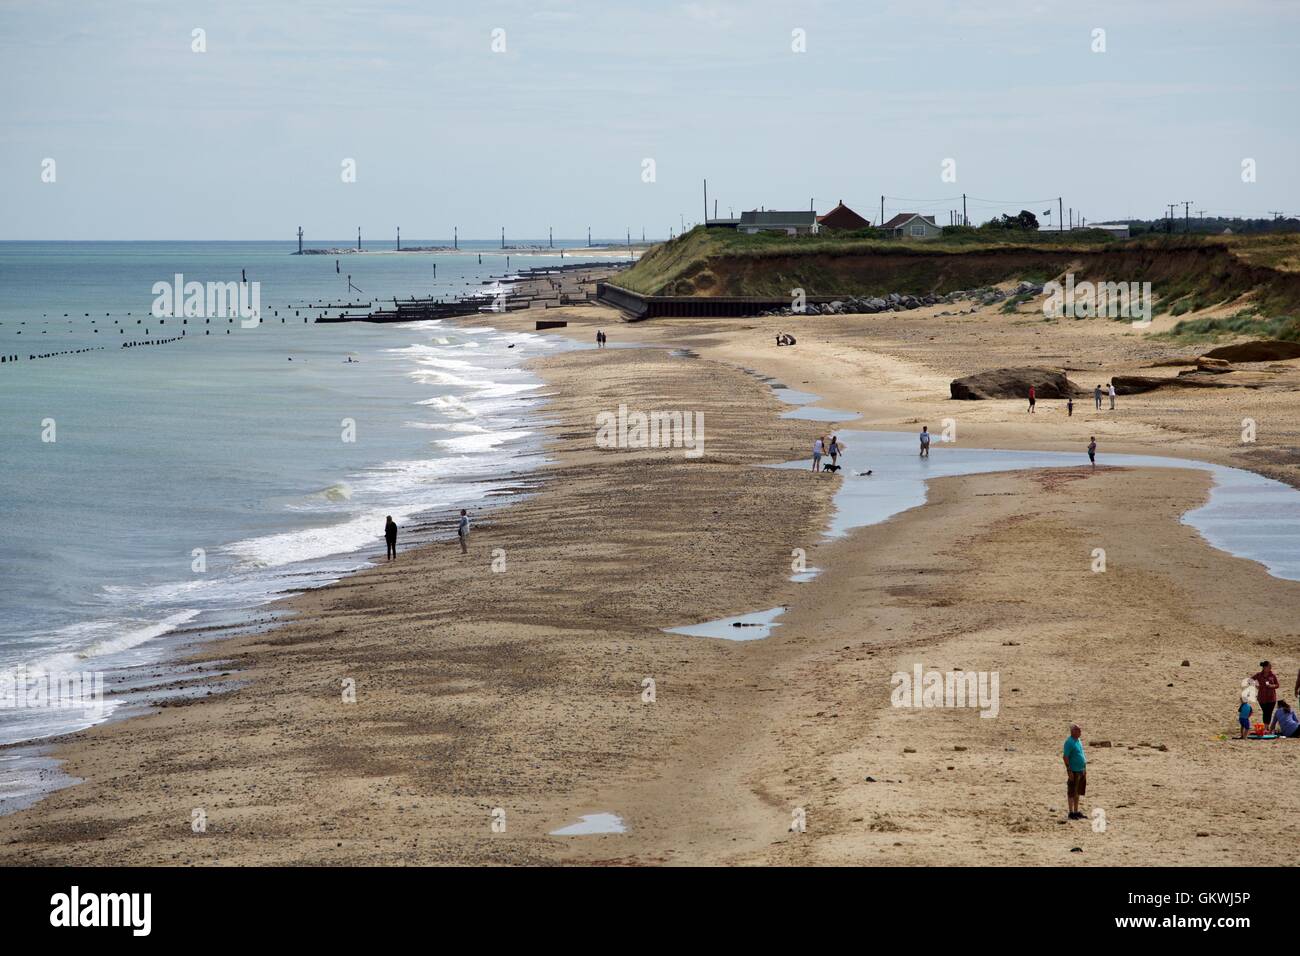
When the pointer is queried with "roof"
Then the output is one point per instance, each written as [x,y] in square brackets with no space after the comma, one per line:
[903,218]
[772,219]
[842,217]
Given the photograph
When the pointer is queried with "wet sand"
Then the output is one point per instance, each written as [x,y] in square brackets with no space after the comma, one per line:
[523,690]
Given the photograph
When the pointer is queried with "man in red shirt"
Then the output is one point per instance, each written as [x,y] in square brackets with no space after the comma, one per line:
[1267,682]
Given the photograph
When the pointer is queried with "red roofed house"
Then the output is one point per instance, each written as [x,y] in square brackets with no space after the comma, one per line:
[908,225]
[842,217]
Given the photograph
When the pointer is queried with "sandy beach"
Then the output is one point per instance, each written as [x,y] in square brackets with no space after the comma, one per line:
[507,686]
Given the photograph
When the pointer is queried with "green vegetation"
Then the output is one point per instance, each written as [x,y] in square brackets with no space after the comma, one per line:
[1187,272]
[1247,323]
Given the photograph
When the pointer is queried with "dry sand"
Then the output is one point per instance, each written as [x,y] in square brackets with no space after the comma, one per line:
[523,689]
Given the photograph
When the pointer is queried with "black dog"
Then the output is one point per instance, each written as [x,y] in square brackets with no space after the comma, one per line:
[832,468]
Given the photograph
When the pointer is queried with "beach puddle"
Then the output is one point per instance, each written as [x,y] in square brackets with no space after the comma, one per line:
[592,824]
[745,627]
[1247,515]
[806,413]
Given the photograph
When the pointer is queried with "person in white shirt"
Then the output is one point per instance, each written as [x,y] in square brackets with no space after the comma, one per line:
[1112,396]
[925,441]
[462,531]
[818,446]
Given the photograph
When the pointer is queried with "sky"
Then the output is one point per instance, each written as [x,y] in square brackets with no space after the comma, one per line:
[543,114]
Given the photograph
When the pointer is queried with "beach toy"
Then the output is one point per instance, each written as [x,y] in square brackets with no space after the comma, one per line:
[1260,730]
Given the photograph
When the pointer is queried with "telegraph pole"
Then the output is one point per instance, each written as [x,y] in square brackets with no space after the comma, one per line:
[1187,220]
[706,202]
[455,237]
[358,242]
[399,238]
[882,212]
[964,220]
[1060,215]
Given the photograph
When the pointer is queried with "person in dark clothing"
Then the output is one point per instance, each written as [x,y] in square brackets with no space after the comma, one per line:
[1267,683]
[390,536]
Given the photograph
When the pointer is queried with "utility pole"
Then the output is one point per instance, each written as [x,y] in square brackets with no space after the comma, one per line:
[1187,220]
[300,240]
[358,242]
[964,220]
[1060,216]
[455,237]
[1169,223]
[1275,213]
[706,202]
[1200,218]
[399,238]
[882,211]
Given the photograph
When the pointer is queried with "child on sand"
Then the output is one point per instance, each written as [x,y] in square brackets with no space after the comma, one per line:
[925,441]
[1243,717]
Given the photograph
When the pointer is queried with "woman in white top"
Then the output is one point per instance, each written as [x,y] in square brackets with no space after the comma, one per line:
[818,445]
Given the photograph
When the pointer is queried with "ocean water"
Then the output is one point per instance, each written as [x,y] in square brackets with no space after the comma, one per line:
[167,486]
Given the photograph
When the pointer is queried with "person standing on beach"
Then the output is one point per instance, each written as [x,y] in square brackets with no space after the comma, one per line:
[1069,408]
[1267,683]
[925,441]
[390,536]
[462,531]
[1032,398]
[1112,396]
[1092,450]
[834,449]
[1096,396]
[818,446]
[1076,770]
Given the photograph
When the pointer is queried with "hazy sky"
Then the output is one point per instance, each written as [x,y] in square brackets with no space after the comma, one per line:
[247,139]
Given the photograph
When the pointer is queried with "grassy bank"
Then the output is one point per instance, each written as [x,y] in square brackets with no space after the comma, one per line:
[1187,272]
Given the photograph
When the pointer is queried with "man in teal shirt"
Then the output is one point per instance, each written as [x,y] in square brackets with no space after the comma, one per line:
[1076,770]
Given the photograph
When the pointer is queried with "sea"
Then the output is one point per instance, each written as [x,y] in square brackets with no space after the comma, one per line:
[165,475]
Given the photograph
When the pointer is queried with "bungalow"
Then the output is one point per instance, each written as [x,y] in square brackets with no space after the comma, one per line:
[909,225]
[792,223]
[842,217]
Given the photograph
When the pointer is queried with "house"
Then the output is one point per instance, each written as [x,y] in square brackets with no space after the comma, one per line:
[909,225]
[1118,230]
[721,223]
[842,217]
[792,223]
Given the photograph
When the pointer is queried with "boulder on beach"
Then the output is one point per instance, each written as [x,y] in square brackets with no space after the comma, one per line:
[1192,378]
[1263,350]
[1014,383]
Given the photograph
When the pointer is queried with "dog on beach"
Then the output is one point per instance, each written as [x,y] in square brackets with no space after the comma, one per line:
[831,468]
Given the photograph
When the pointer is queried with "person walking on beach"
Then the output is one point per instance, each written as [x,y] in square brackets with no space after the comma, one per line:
[390,536]
[1243,716]
[1092,450]
[1069,408]
[818,446]
[1096,396]
[462,531]
[1267,683]
[1112,396]
[925,441]
[834,449]
[1032,398]
[1076,770]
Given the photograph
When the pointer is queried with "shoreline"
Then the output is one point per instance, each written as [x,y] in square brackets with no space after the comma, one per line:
[630,767]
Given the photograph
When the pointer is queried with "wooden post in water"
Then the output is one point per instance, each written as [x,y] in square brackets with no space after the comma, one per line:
[358,243]
[300,240]
[455,237]
[399,238]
